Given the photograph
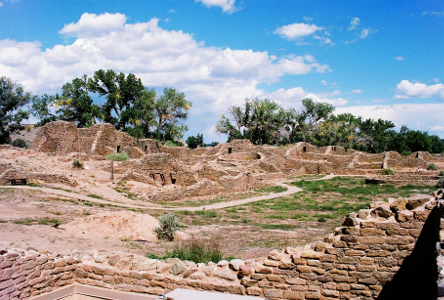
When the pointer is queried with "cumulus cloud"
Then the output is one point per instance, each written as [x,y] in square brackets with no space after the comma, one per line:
[357,91]
[296,30]
[364,33]
[408,90]
[437,128]
[92,24]
[228,6]
[399,58]
[1,4]
[354,23]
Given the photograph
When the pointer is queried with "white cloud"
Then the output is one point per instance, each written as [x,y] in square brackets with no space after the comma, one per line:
[336,92]
[399,58]
[437,128]
[354,23]
[227,6]
[357,91]
[1,4]
[407,90]
[324,82]
[433,13]
[307,19]
[92,24]
[364,33]
[296,30]
[172,11]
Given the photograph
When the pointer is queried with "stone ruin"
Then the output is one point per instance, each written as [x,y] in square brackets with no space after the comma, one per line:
[386,252]
[172,173]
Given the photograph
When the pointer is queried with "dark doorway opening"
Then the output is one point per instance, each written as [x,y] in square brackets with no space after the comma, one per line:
[230,150]
[118,148]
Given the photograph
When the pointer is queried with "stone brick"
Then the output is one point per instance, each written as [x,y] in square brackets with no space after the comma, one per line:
[273,293]
[354,253]
[295,281]
[292,295]
[343,287]
[330,293]
[254,291]
[313,295]
[275,278]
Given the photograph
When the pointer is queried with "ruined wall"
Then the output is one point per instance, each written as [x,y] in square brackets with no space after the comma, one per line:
[387,252]
[59,137]
[403,179]
[406,162]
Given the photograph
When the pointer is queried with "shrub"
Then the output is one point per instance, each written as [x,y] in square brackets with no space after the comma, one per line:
[441,173]
[387,172]
[168,226]
[118,156]
[173,144]
[195,250]
[19,143]
[432,167]
[440,183]
[77,164]
[406,153]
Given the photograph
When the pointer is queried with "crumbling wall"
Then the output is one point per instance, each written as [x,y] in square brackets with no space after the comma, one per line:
[406,162]
[379,253]
[59,137]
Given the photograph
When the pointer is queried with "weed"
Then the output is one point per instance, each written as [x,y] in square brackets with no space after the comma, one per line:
[387,171]
[87,203]
[206,214]
[432,167]
[272,189]
[168,227]
[118,157]
[95,196]
[280,217]
[76,164]
[3,221]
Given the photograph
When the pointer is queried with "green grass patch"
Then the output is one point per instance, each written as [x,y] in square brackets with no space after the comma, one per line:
[95,196]
[277,226]
[279,217]
[272,189]
[206,214]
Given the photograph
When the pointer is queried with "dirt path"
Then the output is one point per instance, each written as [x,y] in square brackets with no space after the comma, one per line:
[80,197]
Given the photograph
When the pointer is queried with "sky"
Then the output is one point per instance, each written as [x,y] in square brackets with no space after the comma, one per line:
[375,59]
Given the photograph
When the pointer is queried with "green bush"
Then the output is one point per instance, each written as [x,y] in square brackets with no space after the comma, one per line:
[118,156]
[77,164]
[168,226]
[19,143]
[440,183]
[173,144]
[432,167]
[441,173]
[406,153]
[387,172]
[195,250]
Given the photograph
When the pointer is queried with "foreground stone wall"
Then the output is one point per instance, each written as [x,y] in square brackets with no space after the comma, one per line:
[379,253]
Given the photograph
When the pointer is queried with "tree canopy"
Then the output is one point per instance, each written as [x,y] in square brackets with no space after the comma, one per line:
[12,99]
[263,121]
[128,105]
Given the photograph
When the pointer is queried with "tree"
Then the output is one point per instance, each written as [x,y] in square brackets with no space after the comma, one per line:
[41,109]
[76,105]
[12,98]
[195,141]
[170,110]
[121,92]
[437,144]
[418,141]
[376,135]
[340,130]
[259,120]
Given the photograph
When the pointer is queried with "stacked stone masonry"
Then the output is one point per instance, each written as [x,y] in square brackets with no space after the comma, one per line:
[360,260]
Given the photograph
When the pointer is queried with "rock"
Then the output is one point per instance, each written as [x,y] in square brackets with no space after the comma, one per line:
[208,269]
[149,264]
[113,260]
[245,270]
[260,268]
[178,268]
[225,274]
[163,267]
[172,260]
[404,216]
[319,246]
[290,250]
[397,204]
[197,275]
[416,201]
[236,263]
[311,254]
[276,255]
[350,220]
[189,272]
[222,263]
[382,211]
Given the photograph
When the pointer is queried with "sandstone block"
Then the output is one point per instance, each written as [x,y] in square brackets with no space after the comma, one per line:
[225,274]
[259,268]
[313,295]
[273,293]
[330,293]
[292,295]
[254,291]
[245,270]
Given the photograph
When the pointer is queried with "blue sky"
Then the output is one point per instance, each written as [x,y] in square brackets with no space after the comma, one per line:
[375,59]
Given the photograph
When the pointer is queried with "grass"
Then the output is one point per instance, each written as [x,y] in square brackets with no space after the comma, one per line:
[42,221]
[95,196]
[195,250]
[272,189]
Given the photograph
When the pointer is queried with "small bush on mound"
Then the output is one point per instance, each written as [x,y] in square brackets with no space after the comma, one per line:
[195,250]
[19,143]
[77,164]
[432,167]
[118,156]
[387,172]
[168,226]
[173,144]
[441,173]
[406,153]
[440,183]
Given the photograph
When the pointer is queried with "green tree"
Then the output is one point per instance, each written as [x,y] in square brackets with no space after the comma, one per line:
[12,99]
[259,120]
[170,110]
[76,105]
[43,109]
[418,141]
[121,92]
[341,130]
[437,144]
[195,141]
[375,135]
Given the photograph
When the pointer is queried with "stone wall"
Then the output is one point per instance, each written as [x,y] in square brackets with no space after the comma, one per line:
[379,253]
